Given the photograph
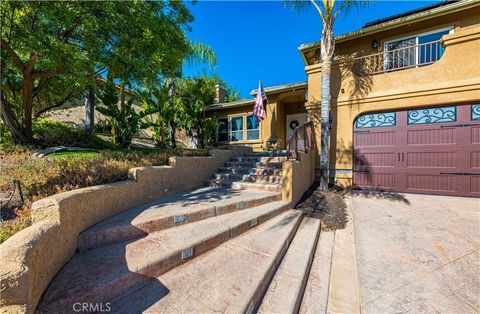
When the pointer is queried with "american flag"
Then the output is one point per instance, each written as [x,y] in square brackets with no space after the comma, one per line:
[261,99]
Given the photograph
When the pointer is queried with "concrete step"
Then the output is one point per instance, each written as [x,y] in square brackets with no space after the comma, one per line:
[278,153]
[103,274]
[265,178]
[267,171]
[174,210]
[229,176]
[272,187]
[228,279]
[273,159]
[246,159]
[260,154]
[284,295]
[316,292]
[226,184]
[240,164]
[241,170]
[275,165]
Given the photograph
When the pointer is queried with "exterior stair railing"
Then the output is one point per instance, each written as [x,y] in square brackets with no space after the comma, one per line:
[300,140]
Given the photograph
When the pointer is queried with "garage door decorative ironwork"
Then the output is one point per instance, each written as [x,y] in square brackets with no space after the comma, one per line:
[376,120]
[475,112]
[434,115]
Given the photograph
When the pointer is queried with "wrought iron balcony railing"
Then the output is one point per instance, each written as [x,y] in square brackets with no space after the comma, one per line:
[399,59]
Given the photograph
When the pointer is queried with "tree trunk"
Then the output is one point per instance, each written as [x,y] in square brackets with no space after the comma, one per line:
[89,109]
[171,123]
[325,114]
[327,47]
[27,94]
[8,118]
[121,130]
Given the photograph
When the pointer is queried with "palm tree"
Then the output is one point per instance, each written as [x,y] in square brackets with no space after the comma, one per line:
[328,11]
[198,54]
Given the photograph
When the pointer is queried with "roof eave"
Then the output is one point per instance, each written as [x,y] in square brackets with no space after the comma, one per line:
[435,12]
[282,88]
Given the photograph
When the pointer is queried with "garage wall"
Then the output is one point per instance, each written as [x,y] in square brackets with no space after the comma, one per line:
[453,79]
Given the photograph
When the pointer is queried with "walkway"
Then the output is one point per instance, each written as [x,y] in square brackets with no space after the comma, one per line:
[417,253]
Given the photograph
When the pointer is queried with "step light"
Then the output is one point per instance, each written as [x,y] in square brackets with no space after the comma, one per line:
[241,205]
[178,219]
[253,222]
[187,253]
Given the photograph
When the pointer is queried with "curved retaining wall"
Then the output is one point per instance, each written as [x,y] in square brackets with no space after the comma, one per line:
[32,257]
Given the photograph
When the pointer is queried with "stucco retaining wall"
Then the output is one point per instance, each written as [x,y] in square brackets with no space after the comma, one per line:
[298,176]
[32,257]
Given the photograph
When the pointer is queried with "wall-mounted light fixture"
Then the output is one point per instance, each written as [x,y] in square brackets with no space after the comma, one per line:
[299,106]
[375,44]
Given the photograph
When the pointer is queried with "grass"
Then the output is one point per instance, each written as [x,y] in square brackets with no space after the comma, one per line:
[88,154]
[65,171]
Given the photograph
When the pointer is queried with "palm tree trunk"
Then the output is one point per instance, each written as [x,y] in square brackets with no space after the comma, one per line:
[325,114]
[327,47]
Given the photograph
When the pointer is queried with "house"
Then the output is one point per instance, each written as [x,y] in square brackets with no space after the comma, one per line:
[405,107]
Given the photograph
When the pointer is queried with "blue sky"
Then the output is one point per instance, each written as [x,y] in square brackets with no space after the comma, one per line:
[259,39]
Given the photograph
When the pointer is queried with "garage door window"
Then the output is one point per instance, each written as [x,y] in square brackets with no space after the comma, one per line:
[475,112]
[433,115]
[375,120]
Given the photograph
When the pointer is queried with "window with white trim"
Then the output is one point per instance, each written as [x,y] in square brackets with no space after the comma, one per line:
[416,50]
[253,132]
[236,133]
[238,128]
[222,134]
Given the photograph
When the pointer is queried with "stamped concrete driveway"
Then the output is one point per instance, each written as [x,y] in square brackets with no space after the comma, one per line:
[417,253]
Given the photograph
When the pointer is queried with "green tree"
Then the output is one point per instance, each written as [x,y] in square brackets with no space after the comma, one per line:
[328,10]
[197,53]
[44,43]
[124,123]
[148,43]
[194,95]
[158,112]
[41,49]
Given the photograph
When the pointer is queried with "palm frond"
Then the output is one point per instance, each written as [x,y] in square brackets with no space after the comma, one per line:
[201,54]
[347,5]
[303,6]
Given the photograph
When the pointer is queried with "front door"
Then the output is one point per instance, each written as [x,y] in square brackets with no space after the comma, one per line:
[293,121]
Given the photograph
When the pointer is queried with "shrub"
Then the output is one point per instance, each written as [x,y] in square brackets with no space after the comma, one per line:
[9,228]
[50,133]
[56,173]
[5,136]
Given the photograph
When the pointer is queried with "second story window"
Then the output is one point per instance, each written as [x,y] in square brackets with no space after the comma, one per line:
[415,50]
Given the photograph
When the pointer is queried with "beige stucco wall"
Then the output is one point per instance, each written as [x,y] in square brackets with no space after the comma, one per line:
[454,79]
[33,256]
[298,176]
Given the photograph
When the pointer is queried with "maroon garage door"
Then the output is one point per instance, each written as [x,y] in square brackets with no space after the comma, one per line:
[432,151]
